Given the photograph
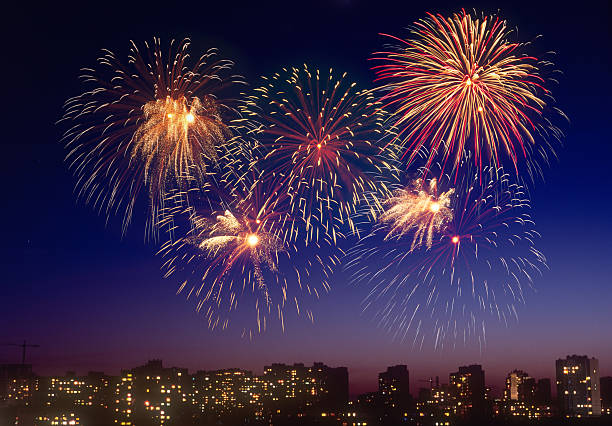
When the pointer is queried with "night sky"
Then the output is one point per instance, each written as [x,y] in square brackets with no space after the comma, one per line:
[95,300]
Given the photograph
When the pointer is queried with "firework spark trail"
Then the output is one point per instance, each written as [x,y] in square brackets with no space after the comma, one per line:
[180,134]
[318,135]
[417,210]
[231,251]
[476,268]
[227,233]
[244,259]
[458,85]
[147,125]
[317,165]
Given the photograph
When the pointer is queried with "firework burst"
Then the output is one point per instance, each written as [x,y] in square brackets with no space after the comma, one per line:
[476,268]
[176,138]
[419,211]
[243,259]
[147,125]
[318,135]
[459,85]
[230,235]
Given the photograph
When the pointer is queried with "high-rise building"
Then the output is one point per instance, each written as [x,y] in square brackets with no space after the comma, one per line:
[606,395]
[394,386]
[514,383]
[94,390]
[224,391]
[17,384]
[468,388]
[436,404]
[152,394]
[578,386]
[333,391]
[527,390]
[524,397]
[543,393]
[287,387]
[300,388]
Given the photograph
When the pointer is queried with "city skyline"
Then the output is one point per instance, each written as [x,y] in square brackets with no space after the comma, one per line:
[94,299]
[158,394]
[497,390]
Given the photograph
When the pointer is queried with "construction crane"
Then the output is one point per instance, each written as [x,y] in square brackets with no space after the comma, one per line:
[23,347]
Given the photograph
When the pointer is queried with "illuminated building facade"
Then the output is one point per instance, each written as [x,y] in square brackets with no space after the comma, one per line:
[606,395]
[514,383]
[578,386]
[64,419]
[436,406]
[65,391]
[394,386]
[468,389]
[17,383]
[224,391]
[297,387]
[287,387]
[332,392]
[525,397]
[152,394]
[287,394]
[93,390]
[155,395]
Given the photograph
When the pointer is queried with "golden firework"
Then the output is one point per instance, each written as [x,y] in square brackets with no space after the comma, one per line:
[177,139]
[241,257]
[417,210]
[148,126]
[240,241]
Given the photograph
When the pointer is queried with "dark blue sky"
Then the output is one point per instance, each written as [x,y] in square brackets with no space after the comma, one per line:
[95,300]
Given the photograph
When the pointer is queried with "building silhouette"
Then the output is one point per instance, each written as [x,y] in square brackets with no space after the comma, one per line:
[300,388]
[578,386]
[18,385]
[606,395]
[468,390]
[525,397]
[394,386]
[543,394]
[225,391]
[515,386]
[333,392]
[152,394]
[94,390]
